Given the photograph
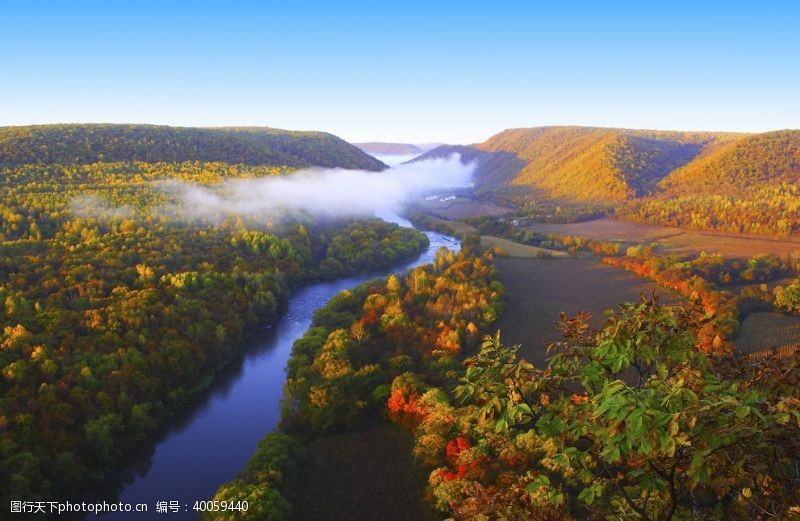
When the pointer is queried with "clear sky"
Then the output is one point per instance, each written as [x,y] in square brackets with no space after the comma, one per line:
[404,71]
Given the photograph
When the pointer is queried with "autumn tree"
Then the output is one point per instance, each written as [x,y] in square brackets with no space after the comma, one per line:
[630,421]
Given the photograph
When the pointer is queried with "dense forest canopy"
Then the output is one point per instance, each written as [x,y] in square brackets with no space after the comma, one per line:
[374,343]
[82,144]
[639,419]
[749,185]
[740,167]
[116,309]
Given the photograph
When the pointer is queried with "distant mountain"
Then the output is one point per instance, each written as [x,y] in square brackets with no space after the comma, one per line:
[582,164]
[379,148]
[91,143]
[429,146]
[390,149]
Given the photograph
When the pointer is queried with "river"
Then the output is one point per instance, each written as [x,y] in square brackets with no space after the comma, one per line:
[209,444]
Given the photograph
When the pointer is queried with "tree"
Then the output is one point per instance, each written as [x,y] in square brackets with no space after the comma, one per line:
[632,421]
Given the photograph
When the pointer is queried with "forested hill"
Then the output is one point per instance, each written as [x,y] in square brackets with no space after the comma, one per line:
[747,185]
[92,143]
[580,164]
[740,167]
[742,183]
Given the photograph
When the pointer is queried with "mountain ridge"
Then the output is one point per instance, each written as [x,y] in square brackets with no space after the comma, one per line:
[576,164]
[386,148]
[390,149]
[101,142]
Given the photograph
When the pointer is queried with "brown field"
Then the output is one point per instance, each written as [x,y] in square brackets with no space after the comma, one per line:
[538,289]
[515,249]
[458,226]
[766,330]
[674,240]
[366,474]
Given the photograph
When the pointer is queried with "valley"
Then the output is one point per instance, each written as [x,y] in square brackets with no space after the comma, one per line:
[399,261]
[168,291]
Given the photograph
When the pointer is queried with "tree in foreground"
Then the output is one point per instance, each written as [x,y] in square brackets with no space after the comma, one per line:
[628,422]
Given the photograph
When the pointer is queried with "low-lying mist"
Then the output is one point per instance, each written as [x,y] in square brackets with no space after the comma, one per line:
[325,193]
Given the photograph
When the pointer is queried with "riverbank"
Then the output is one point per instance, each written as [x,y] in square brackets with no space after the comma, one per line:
[350,371]
[186,463]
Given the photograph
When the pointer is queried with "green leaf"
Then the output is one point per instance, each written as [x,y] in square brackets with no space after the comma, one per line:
[587,495]
[501,425]
[539,482]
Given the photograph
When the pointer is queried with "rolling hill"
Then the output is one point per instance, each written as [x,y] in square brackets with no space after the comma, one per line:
[583,164]
[749,185]
[93,143]
[741,183]
[739,167]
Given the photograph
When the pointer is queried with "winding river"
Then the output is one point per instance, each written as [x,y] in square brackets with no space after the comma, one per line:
[214,440]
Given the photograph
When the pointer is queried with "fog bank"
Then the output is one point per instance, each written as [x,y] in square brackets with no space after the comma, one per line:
[322,192]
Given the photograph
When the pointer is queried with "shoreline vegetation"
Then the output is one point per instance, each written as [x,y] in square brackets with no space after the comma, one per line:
[727,287]
[191,299]
[117,314]
[120,304]
[366,346]
[485,457]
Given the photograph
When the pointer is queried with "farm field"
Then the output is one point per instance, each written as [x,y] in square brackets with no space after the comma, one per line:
[517,250]
[366,474]
[537,290]
[766,330]
[674,240]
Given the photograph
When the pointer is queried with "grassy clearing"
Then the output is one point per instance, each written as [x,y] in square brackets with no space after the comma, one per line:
[366,474]
[457,226]
[538,289]
[514,249]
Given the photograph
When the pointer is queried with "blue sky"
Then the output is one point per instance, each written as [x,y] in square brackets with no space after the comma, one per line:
[404,71]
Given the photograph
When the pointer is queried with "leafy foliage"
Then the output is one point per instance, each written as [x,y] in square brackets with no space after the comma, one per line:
[741,167]
[747,186]
[114,314]
[267,482]
[631,421]
[772,209]
[364,338]
[375,343]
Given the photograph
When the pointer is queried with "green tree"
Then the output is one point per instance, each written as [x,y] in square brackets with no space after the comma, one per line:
[633,421]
